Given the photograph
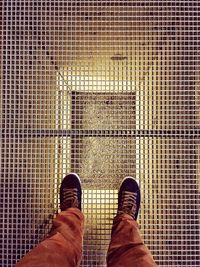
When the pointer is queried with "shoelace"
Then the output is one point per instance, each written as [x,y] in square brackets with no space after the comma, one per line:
[70,198]
[128,203]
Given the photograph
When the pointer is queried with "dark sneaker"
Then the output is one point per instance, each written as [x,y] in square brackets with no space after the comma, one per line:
[129,197]
[70,192]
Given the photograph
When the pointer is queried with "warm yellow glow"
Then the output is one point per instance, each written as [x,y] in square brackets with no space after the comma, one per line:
[104,202]
[88,83]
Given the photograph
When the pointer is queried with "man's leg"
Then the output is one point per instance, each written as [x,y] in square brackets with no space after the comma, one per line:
[126,246]
[63,247]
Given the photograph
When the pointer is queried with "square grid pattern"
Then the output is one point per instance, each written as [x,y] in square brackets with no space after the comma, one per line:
[105,89]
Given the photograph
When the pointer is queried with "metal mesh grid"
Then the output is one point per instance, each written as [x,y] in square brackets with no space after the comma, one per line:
[104,89]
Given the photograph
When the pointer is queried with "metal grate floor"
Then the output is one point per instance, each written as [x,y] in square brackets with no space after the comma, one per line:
[105,89]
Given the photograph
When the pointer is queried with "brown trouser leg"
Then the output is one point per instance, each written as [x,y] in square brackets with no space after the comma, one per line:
[63,247]
[126,246]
